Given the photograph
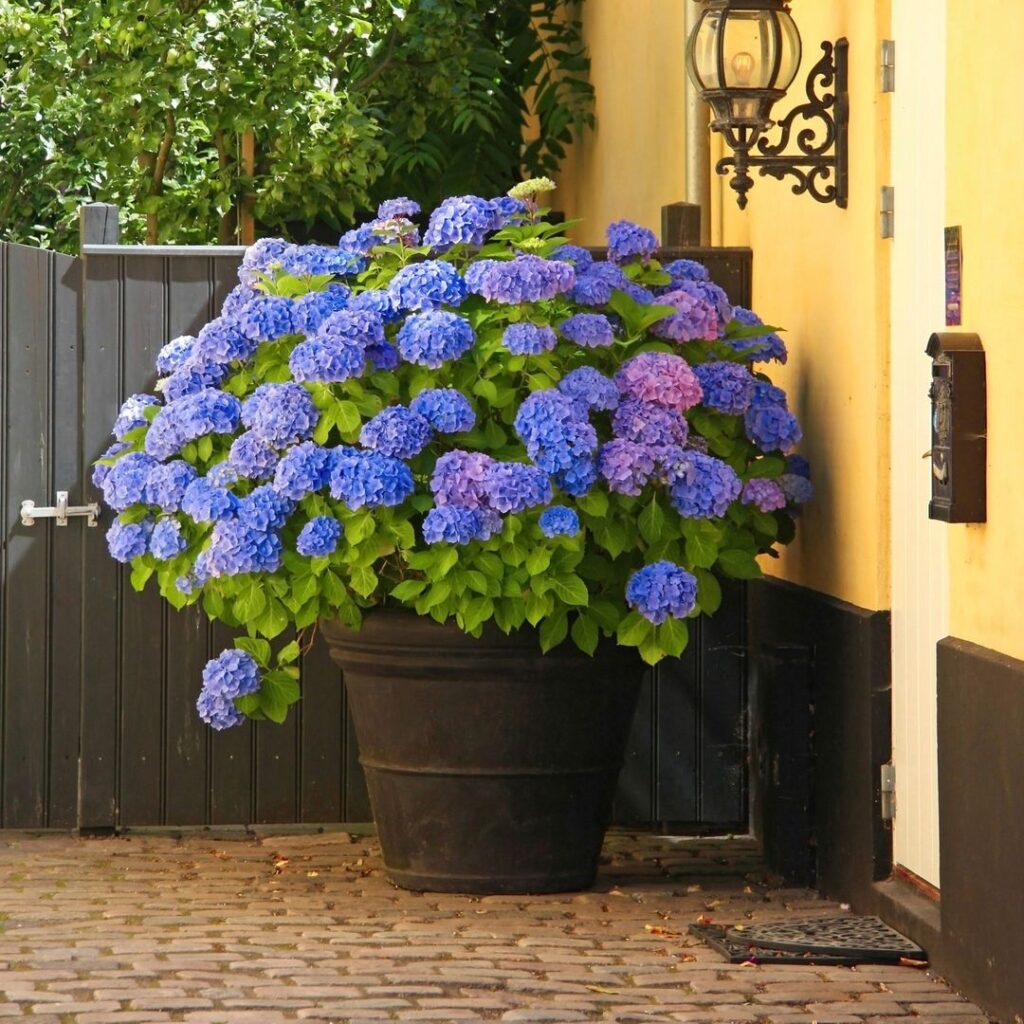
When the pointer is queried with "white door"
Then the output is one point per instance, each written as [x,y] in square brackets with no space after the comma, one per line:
[920,570]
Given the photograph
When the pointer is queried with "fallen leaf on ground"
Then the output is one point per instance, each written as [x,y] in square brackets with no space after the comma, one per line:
[655,929]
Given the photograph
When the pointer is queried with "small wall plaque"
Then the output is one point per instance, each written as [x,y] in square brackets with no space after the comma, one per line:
[954,275]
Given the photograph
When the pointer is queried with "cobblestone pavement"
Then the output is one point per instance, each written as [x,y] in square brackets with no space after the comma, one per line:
[236,927]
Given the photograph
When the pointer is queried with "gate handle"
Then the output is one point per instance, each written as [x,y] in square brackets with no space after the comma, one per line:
[61,511]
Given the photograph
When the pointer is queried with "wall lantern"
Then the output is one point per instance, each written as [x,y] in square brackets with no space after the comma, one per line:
[742,56]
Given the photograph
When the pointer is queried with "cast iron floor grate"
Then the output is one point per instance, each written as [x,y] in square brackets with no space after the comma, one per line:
[841,941]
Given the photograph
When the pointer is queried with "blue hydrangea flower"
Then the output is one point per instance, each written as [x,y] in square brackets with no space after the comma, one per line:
[222,474]
[695,318]
[237,548]
[400,206]
[435,337]
[132,414]
[685,270]
[126,541]
[267,317]
[99,471]
[378,301]
[639,294]
[627,240]
[559,521]
[218,712]
[797,489]
[125,483]
[508,211]
[515,486]
[427,285]
[166,540]
[768,423]
[579,257]
[319,537]
[310,311]
[265,509]
[766,495]
[626,466]
[237,298]
[358,327]
[280,414]
[446,410]
[360,240]
[578,478]
[315,260]
[460,220]
[231,674]
[662,589]
[653,426]
[590,388]
[263,255]
[369,479]
[799,465]
[396,431]
[185,419]
[452,524]
[251,457]
[526,339]
[383,357]
[222,341]
[205,503]
[555,430]
[703,487]
[166,484]
[193,376]
[526,278]
[459,479]
[326,359]
[174,354]
[591,330]
[595,285]
[728,387]
[302,470]
[761,349]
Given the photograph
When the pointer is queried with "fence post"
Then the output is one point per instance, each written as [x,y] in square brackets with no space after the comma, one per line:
[680,226]
[98,224]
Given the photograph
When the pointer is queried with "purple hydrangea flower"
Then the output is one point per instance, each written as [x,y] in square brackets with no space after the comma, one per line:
[650,425]
[578,478]
[515,486]
[662,589]
[459,479]
[311,310]
[369,479]
[132,414]
[627,240]
[591,330]
[99,471]
[427,285]
[594,286]
[125,483]
[525,278]
[765,495]
[452,524]
[400,206]
[761,349]
[205,503]
[555,430]
[768,423]
[326,359]
[446,410]
[166,484]
[126,541]
[302,470]
[727,387]
[703,487]
[267,317]
[659,377]
[166,540]
[714,296]
[695,317]
[626,466]
[435,337]
[237,548]
[526,339]
[251,457]
[174,354]
[193,376]
[222,341]
[685,270]
[579,257]
[396,431]
[559,521]
[590,388]
[319,537]
[460,220]
[185,419]
[280,414]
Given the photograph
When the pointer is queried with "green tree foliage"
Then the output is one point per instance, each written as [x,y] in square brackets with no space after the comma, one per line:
[147,103]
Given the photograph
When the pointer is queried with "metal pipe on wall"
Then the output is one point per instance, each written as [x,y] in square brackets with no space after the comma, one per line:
[698,141]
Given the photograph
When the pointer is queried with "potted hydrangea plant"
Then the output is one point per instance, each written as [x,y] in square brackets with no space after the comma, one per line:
[499,472]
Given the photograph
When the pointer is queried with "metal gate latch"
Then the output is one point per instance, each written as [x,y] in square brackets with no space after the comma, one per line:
[61,511]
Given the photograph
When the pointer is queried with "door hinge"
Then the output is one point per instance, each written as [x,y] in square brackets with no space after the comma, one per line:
[887,213]
[888,65]
[62,511]
[888,791]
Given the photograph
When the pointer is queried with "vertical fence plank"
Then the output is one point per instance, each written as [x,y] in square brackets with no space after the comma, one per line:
[323,738]
[634,799]
[677,768]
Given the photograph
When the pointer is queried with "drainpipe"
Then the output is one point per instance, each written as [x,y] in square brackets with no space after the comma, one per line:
[698,141]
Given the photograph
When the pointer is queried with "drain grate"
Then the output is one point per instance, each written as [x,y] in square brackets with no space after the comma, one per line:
[841,941]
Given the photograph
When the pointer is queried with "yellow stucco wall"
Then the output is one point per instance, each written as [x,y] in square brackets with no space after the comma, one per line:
[820,272]
[984,153]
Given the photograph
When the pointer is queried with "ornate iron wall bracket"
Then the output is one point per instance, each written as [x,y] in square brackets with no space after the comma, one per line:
[820,163]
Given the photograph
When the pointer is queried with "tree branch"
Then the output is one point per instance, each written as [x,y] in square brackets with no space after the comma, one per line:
[156,187]
[367,80]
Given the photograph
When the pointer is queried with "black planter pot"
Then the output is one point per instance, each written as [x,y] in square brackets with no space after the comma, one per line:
[491,767]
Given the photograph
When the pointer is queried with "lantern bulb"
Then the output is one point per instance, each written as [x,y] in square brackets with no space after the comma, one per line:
[743,65]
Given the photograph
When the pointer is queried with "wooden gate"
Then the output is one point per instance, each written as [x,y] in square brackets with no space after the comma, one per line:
[97,683]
